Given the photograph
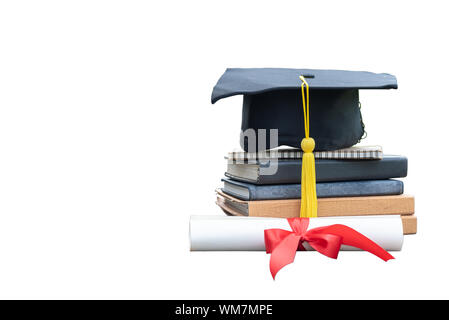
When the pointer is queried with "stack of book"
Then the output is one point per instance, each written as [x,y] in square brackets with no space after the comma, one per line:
[355,181]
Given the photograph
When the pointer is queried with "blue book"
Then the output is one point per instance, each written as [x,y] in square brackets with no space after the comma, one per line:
[248,191]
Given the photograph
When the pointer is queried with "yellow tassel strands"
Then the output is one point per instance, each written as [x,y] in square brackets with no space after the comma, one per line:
[308,177]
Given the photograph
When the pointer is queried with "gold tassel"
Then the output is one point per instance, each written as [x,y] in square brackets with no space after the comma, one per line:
[308,178]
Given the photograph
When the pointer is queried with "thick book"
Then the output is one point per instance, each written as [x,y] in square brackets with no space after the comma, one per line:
[355,152]
[327,207]
[289,171]
[409,222]
[248,191]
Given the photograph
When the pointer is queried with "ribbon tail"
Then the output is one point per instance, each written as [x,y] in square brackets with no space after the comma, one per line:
[283,254]
[355,239]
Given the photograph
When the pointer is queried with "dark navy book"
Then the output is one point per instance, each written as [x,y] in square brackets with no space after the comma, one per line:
[289,171]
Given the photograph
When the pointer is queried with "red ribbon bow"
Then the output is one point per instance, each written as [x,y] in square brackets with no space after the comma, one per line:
[283,244]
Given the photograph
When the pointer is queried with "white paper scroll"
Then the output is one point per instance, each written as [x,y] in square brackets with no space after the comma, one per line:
[226,233]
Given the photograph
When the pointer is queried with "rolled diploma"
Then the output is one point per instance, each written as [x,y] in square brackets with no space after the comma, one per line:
[227,233]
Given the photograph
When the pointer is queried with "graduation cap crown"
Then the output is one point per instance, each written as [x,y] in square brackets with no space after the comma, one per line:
[271,98]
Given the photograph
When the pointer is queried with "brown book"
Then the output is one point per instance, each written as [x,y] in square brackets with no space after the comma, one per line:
[236,207]
[327,207]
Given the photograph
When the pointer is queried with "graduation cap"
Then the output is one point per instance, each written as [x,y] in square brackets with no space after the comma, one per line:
[272,99]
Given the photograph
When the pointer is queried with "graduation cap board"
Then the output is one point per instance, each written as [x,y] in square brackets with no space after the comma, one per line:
[272,100]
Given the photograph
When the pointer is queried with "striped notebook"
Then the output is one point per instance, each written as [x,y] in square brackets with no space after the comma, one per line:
[358,152]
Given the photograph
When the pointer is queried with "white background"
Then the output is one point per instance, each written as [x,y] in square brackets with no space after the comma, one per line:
[108,142]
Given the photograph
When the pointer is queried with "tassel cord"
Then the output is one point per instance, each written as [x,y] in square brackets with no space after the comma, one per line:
[308,176]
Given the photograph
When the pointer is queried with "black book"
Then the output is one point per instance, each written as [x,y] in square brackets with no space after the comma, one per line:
[289,171]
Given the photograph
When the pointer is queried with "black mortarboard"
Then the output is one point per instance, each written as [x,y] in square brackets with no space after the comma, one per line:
[272,100]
